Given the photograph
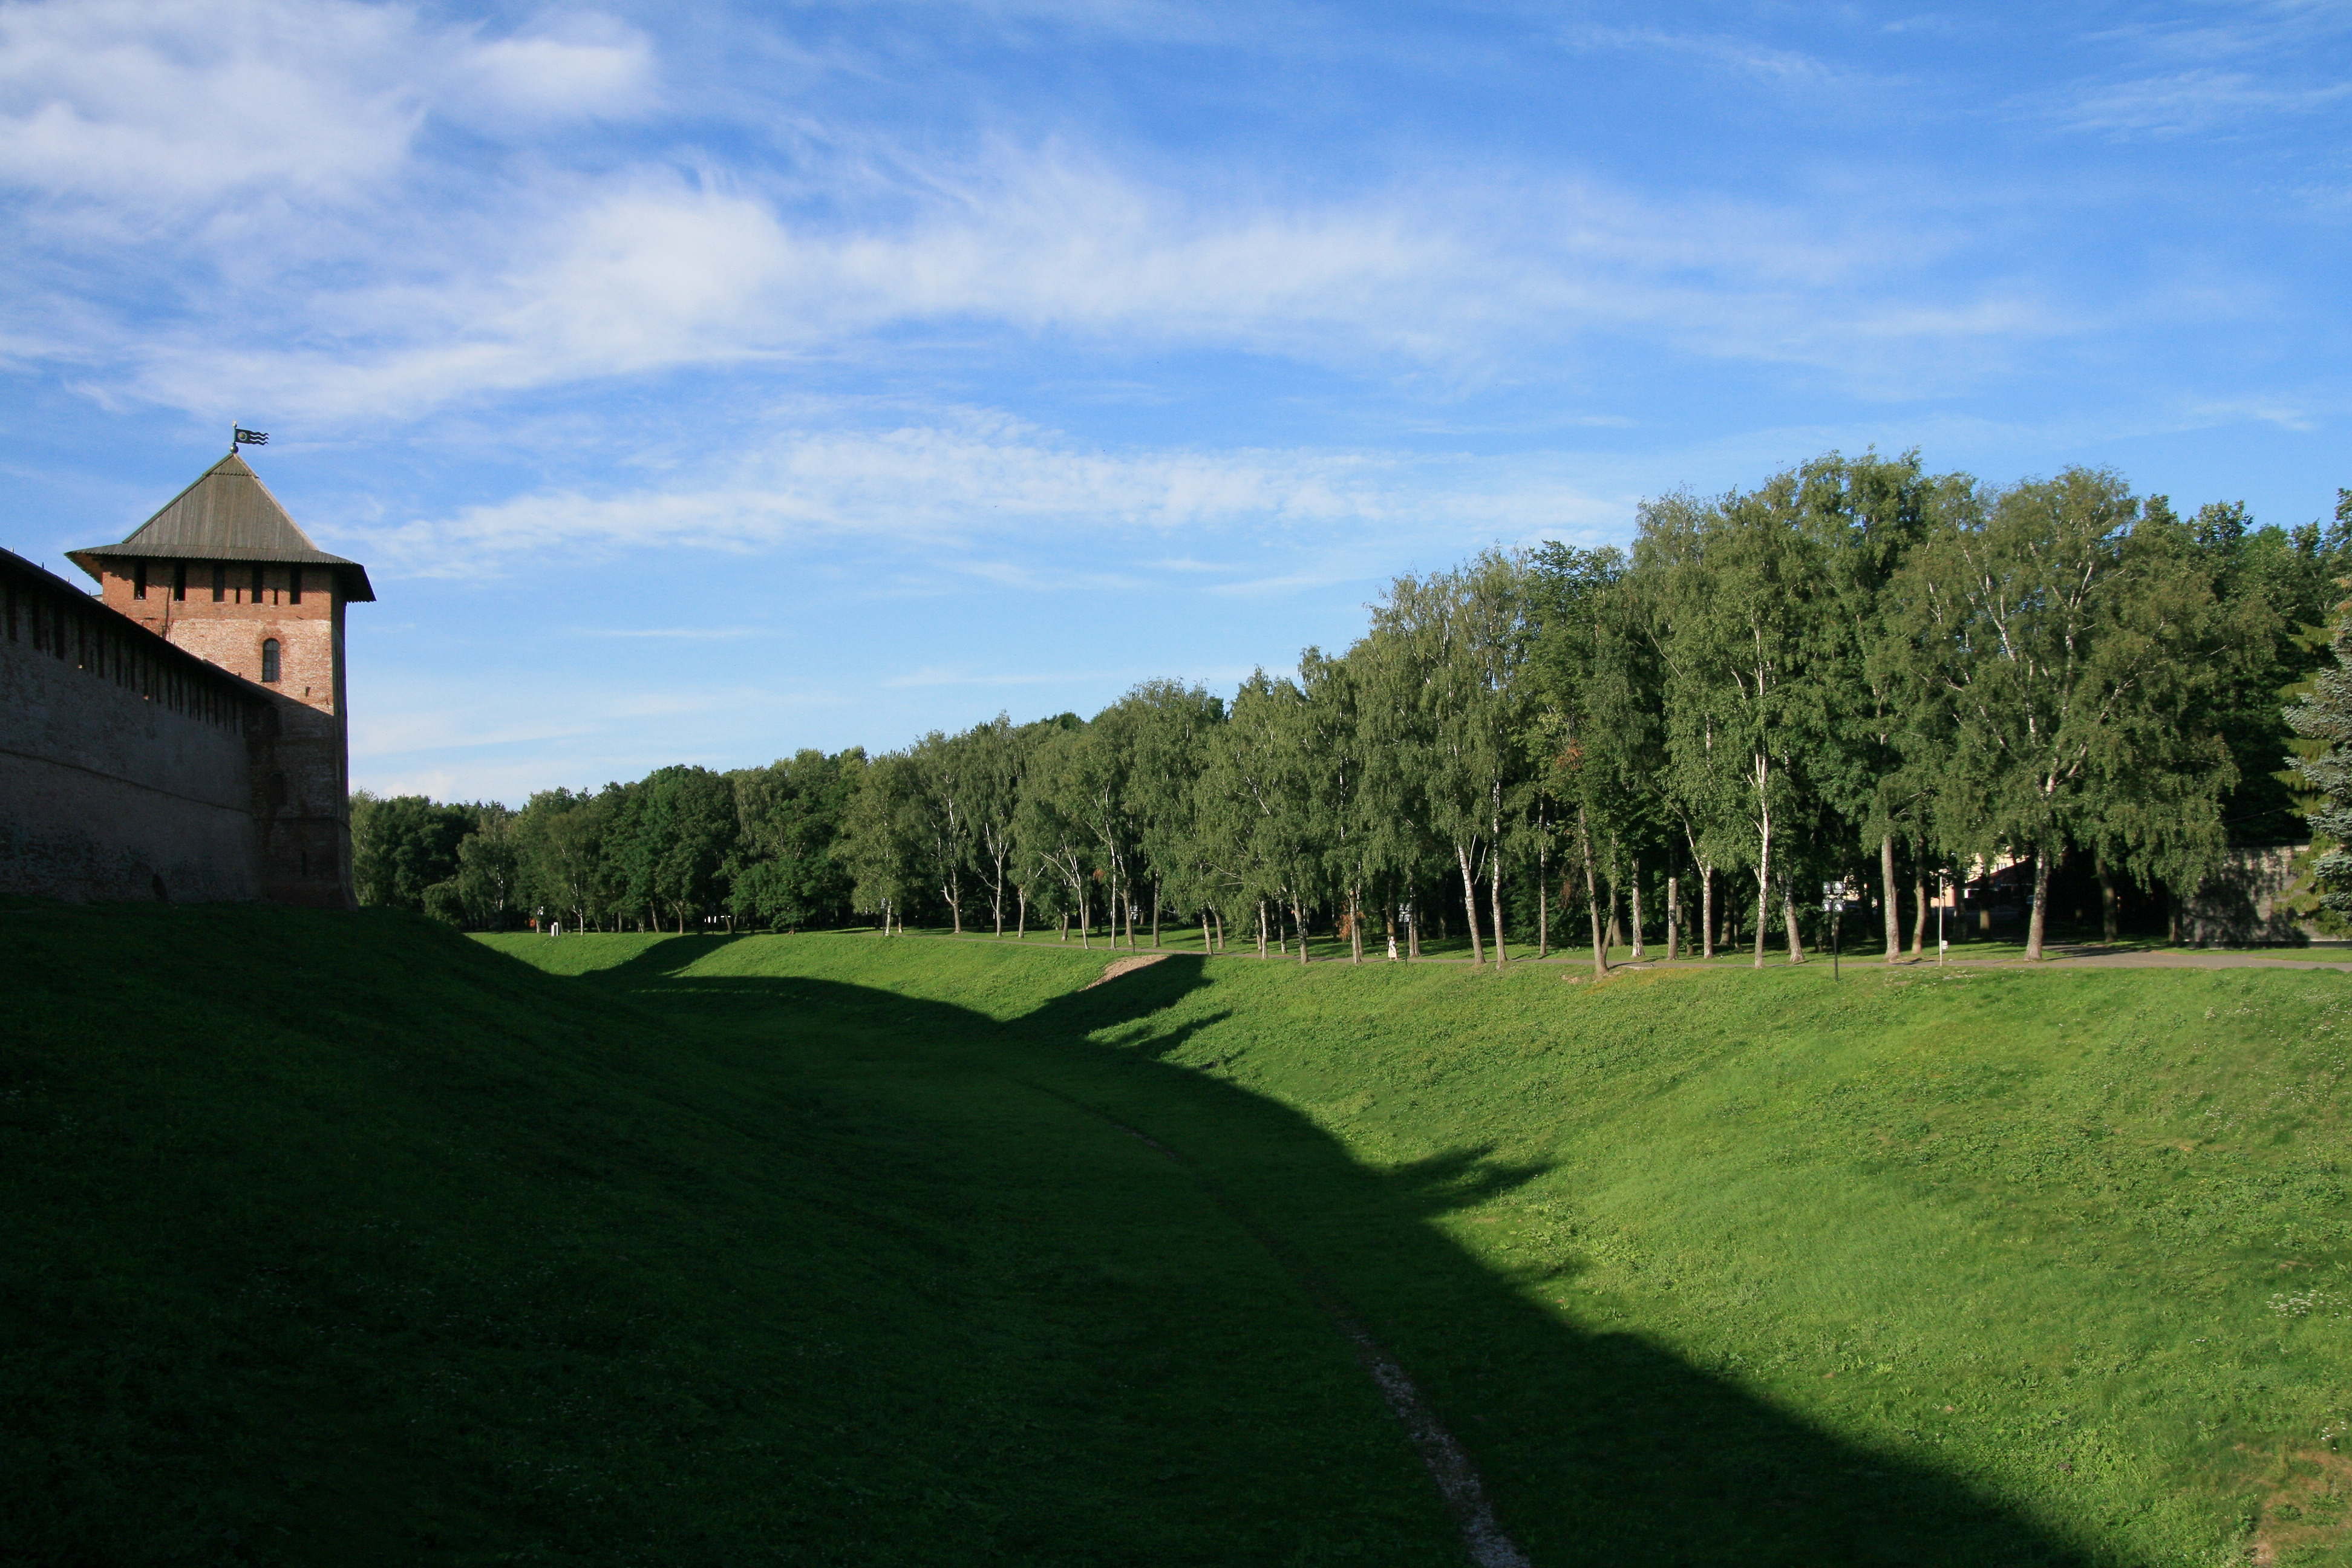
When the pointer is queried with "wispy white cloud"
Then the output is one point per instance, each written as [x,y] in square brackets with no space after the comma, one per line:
[2232,67]
[674,634]
[950,675]
[242,205]
[958,495]
[1748,57]
[647,271]
[2194,102]
[170,106]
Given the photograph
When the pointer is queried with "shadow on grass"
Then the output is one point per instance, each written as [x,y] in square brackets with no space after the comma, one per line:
[1597,1446]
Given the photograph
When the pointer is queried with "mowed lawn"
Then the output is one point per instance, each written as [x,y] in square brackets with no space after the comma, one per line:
[340,1238]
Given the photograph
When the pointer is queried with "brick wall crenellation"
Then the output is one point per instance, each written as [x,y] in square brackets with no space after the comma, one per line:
[134,768]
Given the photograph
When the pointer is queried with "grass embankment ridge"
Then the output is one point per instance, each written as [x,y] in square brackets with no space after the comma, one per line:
[2100,1216]
[338,1240]
[346,1239]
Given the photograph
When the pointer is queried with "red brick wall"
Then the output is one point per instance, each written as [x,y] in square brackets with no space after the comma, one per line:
[230,632]
[128,766]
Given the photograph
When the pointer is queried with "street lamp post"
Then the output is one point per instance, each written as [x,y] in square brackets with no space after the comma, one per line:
[1835,896]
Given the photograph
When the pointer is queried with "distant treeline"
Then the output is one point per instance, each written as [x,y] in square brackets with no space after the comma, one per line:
[1858,671]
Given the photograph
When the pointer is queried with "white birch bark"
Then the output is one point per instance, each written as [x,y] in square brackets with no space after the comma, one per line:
[1470,904]
[1893,897]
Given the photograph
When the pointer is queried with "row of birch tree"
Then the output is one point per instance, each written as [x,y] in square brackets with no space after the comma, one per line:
[1859,671]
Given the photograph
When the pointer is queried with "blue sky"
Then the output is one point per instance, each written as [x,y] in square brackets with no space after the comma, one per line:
[700,388]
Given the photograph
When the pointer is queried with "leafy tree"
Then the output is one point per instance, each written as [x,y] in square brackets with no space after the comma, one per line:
[946,776]
[1092,797]
[1455,644]
[489,875]
[2293,575]
[1595,740]
[2076,657]
[559,845]
[445,901]
[403,844]
[1164,727]
[1865,515]
[881,841]
[995,756]
[1396,843]
[1055,840]
[2324,718]
[787,870]
[672,838]
[1736,618]
[1263,833]
[1332,767]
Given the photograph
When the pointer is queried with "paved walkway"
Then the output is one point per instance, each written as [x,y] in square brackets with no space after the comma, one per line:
[2054,957]
[2057,956]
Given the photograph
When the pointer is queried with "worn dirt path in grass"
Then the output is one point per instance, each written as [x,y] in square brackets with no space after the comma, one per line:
[1457,1480]
[1128,965]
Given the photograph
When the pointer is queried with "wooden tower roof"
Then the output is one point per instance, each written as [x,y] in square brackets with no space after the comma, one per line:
[227,514]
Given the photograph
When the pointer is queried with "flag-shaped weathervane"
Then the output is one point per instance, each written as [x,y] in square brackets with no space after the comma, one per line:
[241,436]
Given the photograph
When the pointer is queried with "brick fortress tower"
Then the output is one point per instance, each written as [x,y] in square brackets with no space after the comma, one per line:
[223,571]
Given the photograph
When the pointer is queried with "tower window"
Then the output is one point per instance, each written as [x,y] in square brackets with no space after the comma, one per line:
[270,660]
[220,583]
[179,579]
[139,579]
[257,586]
[293,584]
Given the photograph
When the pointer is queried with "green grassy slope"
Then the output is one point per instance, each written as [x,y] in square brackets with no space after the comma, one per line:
[346,1239]
[1956,1267]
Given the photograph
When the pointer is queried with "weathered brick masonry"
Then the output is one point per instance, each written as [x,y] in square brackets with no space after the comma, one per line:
[182,735]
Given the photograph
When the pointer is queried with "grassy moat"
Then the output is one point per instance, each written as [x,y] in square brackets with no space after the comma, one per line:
[348,1239]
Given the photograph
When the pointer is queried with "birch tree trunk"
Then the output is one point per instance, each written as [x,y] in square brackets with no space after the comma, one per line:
[1355,927]
[2040,903]
[1299,911]
[1674,917]
[1706,912]
[1155,912]
[1543,905]
[1894,897]
[1494,895]
[1788,920]
[1919,913]
[1636,894]
[1470,903]
[1020,931]
[2106,900]
[1495,871]
[1764,856]
[1591,896]
[1261,929]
